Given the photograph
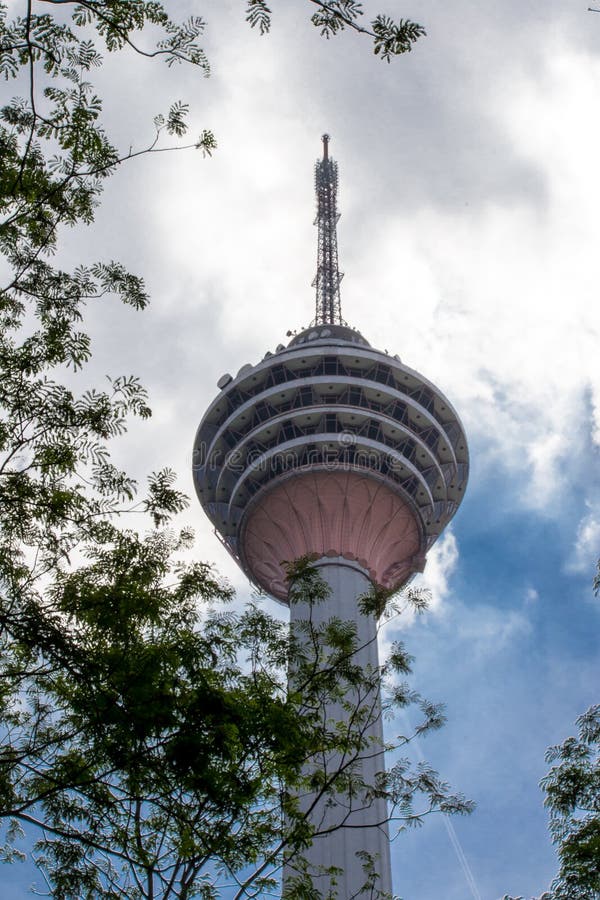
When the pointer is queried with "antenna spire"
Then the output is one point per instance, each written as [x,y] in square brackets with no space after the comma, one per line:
[328,277]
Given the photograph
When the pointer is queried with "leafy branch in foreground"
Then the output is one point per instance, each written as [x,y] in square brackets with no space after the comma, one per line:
[169,759]
[55,152]
[390,38]
[58,486]
[572,789]
[545,896]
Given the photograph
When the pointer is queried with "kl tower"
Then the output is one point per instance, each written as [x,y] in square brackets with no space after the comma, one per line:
[330,448]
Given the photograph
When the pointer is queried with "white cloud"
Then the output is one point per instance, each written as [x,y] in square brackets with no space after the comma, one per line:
[442,560]
[441,563]
[487,630]
[531,597]
[586,549]
[502,296]
[484,628]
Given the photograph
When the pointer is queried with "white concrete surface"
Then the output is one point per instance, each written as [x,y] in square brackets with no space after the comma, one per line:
[358,824]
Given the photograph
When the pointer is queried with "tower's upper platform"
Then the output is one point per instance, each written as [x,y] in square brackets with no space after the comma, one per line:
[386,441]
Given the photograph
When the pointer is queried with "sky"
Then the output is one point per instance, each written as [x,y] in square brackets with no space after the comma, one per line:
[470,197]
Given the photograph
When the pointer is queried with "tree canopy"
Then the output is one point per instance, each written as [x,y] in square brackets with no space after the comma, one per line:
[572,796]
[160,754]
[572,789]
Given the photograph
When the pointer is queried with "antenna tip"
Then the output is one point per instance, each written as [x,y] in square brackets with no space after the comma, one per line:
[325,139]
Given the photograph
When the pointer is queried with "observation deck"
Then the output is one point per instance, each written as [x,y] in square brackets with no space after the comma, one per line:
[329,447]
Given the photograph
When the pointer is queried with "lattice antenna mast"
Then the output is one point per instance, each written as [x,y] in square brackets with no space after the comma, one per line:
[328,277]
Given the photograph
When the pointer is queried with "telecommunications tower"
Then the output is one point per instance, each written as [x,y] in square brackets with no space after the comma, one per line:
[330,448]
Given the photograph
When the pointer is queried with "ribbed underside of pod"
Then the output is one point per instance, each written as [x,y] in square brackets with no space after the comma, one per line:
[320,513]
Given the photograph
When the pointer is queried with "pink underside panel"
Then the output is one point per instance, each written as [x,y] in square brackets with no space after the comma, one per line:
[347,514]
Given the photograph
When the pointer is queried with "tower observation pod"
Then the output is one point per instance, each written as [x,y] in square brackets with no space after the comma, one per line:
[332,449]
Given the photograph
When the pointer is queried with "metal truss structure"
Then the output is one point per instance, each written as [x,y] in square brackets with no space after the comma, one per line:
[328,277]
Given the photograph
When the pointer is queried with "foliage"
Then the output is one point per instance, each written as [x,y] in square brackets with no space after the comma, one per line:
[57,483]
[572,789]
[334,16]
[154,747]
[167,750]
[545,896]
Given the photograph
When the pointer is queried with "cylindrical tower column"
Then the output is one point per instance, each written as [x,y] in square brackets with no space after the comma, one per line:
[353,828]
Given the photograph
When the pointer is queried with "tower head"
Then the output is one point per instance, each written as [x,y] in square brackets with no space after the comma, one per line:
[329,447]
